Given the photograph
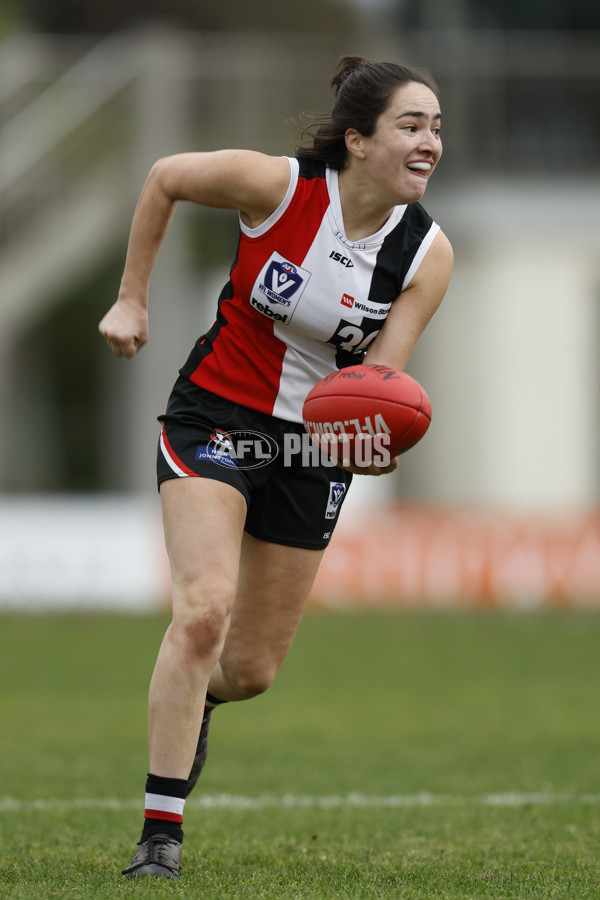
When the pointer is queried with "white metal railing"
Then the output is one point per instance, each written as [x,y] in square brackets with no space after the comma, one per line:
[34,133]
[64,174]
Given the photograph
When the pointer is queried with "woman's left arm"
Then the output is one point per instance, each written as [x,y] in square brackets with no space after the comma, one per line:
[406,322]
[410,313]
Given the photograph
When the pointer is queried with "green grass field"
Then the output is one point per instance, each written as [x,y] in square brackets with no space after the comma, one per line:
[397,756]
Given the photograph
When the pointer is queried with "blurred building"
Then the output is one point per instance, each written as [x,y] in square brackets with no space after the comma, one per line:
[510,360]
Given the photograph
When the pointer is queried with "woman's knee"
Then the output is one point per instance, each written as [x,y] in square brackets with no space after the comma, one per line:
[249,679]
[201,615]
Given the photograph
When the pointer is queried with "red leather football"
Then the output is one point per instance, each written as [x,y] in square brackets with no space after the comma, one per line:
[366,408]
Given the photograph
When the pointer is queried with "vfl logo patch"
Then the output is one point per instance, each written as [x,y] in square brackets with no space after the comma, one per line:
[281,283]
[337,489]
[278,288]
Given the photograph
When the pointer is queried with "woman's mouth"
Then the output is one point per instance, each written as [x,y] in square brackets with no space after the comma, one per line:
[419,166]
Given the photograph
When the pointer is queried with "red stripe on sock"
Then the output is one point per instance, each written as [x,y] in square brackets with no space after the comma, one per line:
[161,814]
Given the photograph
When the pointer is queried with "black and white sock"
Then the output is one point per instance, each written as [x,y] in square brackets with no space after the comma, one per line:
[164,803]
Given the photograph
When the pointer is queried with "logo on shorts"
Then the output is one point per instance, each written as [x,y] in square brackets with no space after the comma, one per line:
[220,450]
[239,449]
[337,489]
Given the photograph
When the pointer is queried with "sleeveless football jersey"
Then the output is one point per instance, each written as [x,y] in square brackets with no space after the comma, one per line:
[302,299]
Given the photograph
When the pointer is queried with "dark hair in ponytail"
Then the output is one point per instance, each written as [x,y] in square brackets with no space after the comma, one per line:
[363,91]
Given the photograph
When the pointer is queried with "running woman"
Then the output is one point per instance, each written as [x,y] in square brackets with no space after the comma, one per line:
[337,263]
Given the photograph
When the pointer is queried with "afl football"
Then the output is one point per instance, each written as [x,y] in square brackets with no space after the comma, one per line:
[367,409]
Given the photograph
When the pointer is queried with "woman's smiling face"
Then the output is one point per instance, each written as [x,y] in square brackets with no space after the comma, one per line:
[403,151]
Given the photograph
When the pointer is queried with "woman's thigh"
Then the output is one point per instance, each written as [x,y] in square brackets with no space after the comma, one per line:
[273,587]
[203,523]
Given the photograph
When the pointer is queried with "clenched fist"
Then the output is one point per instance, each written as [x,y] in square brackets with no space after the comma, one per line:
[125,328]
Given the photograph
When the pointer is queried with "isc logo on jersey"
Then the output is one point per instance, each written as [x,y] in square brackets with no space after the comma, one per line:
[278,288]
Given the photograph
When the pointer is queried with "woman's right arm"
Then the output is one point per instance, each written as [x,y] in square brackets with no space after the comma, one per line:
[250,182]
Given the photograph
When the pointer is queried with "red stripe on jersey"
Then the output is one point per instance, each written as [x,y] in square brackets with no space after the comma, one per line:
[246,335]
[178,462]
[161,814]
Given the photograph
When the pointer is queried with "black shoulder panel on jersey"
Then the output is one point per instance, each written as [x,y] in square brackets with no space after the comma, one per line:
[311,168]
[398,252]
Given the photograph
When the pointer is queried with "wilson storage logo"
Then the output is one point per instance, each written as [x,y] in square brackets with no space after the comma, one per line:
[278,288]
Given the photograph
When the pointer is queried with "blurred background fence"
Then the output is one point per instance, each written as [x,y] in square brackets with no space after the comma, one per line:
[499,503]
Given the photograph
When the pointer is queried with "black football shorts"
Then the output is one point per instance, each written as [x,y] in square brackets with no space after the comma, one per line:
[293,493]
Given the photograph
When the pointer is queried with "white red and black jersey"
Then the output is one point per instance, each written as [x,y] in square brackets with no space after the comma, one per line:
[302,299]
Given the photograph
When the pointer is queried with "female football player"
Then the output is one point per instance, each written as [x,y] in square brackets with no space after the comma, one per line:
[337,263]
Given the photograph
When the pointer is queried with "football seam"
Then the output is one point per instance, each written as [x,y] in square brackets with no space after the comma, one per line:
[368,397]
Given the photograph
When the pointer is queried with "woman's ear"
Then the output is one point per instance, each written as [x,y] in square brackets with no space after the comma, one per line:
[355,143]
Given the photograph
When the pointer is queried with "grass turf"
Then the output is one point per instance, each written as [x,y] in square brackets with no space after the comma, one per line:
[450,755]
